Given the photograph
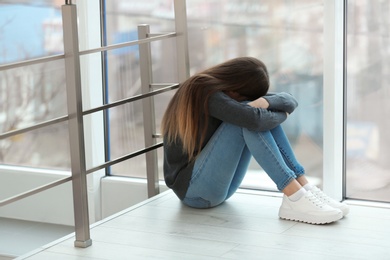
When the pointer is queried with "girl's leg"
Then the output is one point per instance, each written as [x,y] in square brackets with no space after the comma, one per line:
[219,169]
[266,152]
[297,204]
[240,172]
[289,157]
[285,149]
[215,174]
[222,165]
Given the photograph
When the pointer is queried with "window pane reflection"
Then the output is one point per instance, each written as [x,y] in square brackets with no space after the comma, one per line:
[32,95]
[36,93]
[30,29]
[286,35]
[368,109]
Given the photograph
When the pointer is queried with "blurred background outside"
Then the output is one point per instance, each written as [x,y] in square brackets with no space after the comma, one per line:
[286,35]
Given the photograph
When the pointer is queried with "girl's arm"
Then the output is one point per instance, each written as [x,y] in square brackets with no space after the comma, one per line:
[226,109]
[281,102]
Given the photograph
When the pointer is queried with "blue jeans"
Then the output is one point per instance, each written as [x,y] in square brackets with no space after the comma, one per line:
[221,166]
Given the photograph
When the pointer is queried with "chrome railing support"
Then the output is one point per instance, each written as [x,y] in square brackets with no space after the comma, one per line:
[145,61]
[75,110]
[76,127]
[183,61]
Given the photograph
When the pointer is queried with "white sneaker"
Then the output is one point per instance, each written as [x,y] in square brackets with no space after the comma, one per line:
[328,200]
[308,209]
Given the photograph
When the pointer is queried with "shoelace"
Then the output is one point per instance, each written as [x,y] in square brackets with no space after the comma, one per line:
[321,195]
[312,198]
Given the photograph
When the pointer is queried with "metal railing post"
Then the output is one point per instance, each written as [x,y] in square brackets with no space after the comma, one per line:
[76,128]
[145,62]
[183,63]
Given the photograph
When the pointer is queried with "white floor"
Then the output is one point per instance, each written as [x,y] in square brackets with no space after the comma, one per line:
[245,227]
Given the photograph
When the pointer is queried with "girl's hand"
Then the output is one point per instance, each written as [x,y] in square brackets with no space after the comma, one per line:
[259,103]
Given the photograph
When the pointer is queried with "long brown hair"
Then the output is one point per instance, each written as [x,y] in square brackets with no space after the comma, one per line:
[182,120]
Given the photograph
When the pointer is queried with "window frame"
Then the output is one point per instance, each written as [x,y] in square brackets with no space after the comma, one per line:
[334,98]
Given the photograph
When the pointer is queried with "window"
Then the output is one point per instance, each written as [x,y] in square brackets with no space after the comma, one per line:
[36,93]
[288,37]
[126,133]
[368,109]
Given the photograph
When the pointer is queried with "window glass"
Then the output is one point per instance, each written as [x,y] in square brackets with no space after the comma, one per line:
[134,167]
[368,109]
[123,17]
[287,36]
[128,136]
[31,95]
[36,93]
[126,125]
[42,148]
[25,36]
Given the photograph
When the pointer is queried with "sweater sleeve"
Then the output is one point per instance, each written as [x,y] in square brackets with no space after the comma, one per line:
[281,102]
[226,109]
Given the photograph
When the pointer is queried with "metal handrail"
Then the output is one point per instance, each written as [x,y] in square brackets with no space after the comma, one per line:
[31,62]
[161,89]
[34,127]
[170,86]
[66,179]
[130,99]
[34,191]
[155,37]
[75,113]
[124,158]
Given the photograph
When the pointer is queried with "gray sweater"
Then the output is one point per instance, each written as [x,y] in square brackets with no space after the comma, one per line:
[222,108]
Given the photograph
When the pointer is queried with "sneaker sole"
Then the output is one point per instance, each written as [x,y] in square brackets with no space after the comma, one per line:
[283,214]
